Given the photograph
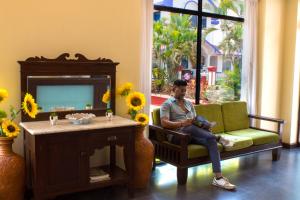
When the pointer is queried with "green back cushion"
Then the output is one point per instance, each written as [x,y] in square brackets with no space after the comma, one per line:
[235,115]
[212,112]
[156,121]
[156,117]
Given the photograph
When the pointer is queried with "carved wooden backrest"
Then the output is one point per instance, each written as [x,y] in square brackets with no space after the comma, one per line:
[64,71]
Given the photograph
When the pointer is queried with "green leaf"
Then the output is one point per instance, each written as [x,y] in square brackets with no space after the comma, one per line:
[2,114]
[109,110]
[132,113]
[13,112]
[53,114]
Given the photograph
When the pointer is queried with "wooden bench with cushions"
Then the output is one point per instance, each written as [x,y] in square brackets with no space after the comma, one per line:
[233,122]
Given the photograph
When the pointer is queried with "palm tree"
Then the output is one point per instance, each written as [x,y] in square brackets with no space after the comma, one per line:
[174,39]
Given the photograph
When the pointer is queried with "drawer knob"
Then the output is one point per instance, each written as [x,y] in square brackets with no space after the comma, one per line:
[112,138]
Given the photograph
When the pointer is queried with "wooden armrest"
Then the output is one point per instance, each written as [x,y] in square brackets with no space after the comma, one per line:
[280,123]
[184,138]
[267,118]
[168,131]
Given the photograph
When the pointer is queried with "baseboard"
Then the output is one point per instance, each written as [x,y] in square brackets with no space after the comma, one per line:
[289,146]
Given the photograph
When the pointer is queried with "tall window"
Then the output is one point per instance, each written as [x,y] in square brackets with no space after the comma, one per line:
[207,53]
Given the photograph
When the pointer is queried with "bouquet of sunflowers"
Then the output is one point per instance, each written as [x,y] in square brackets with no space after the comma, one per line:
[8,128]
[135,102]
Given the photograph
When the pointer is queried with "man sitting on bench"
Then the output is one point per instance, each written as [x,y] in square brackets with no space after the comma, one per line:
[179,114]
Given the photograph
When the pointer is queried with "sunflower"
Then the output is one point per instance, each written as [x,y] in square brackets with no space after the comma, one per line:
[29,106]
[128,86]
[10,129]
[106,97]
[142,118]
[3,94]
[136,101]
[125,89]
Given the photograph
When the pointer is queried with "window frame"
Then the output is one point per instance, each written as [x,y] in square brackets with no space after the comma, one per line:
[200,13]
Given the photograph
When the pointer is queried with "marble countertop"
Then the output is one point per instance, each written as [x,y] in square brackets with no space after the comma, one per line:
[64,125]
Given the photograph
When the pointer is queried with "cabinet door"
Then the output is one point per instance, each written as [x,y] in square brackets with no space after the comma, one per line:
[64,162]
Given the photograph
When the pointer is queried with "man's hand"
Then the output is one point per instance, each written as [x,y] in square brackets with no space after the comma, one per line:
[166,123]
[187,122]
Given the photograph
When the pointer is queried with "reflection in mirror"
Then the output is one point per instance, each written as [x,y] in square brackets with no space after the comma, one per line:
[67,93]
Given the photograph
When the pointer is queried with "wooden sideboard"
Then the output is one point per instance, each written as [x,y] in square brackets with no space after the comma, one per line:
[57,157]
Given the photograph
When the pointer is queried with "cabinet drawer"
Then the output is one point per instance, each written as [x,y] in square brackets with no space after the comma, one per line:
[111,136]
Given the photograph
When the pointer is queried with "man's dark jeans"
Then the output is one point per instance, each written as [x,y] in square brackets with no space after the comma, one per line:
[207,139]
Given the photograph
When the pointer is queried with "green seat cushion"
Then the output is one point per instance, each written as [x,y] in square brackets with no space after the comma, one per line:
[235,116]
[238,142]
[259,137]
[212,112]
[196,150]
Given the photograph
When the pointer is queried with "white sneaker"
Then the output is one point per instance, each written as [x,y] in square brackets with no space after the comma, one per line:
[223,183]
[226,142]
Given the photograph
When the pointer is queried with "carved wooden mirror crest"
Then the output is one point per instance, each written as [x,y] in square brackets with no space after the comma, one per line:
[66,85]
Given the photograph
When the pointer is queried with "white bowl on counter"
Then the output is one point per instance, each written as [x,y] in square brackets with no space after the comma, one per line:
[80,118]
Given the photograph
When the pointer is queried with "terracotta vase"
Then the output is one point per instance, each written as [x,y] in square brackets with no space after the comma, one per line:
[12,171]
[144,152]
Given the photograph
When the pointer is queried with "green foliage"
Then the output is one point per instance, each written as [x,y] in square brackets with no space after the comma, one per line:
[176,38]
[173,40]
[53,114]
[233,80]
[132,113]
[2,114]
[231,45]
[232,42]
[13,112]
[230,5]
[109,110]
[160,76]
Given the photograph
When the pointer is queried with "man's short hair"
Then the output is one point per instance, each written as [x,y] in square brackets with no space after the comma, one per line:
[180,83]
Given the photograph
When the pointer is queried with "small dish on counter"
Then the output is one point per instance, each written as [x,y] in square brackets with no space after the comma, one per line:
[80,118]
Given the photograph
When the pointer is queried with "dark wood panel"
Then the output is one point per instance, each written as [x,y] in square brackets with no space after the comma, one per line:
[63,162]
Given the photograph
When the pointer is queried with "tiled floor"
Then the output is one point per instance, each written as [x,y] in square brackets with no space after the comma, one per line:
[257,178]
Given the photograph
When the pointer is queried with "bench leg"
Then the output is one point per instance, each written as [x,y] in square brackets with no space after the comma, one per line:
[182,175]
[276,154]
